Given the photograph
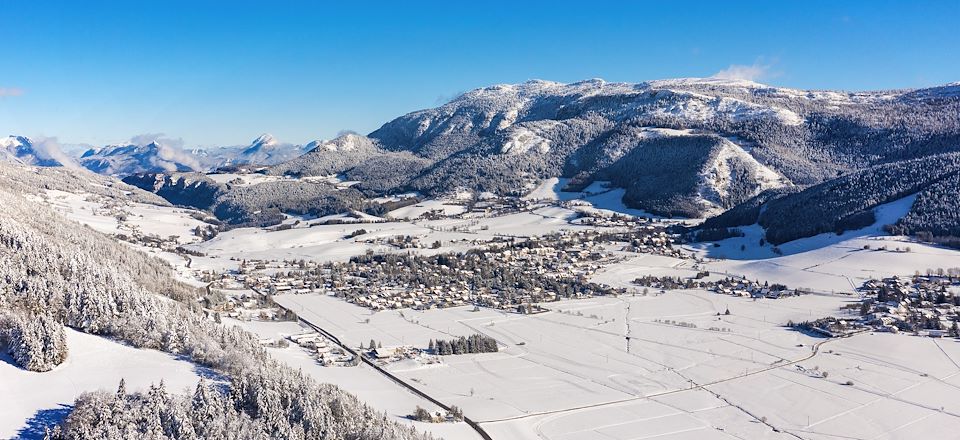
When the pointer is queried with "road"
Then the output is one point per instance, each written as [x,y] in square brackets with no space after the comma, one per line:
[476,426]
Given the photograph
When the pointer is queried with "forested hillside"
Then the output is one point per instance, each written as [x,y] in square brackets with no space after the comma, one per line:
[55,273]
[688,147]
[260,204]
[847,202]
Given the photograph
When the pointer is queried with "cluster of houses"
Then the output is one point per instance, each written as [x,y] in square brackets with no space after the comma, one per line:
[384,355]
[654,240]
[326,352]
[454,289]
[244,304]
[752,289]
[928,305]
[830,327]
[533,270]
[490,204]
[592,218]
[732,286]
[402,242]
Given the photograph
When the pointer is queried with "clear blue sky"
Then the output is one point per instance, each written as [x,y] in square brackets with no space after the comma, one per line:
[220,73]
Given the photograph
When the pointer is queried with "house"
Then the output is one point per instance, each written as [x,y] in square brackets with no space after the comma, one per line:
[384,352]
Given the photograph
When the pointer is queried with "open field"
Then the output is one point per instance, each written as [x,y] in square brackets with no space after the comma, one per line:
[568,373]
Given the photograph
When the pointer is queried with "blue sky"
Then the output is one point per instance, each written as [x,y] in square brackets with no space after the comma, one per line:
[221,73]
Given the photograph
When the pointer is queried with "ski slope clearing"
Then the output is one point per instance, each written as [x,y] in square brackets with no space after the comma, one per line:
[31,400]
[572,373]
[447,207]
[321,243]
[598,197]
[730,248]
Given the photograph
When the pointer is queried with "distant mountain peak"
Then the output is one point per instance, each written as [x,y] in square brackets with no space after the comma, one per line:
[43,152]
[265,139]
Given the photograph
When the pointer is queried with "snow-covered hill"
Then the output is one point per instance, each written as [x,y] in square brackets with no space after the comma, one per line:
[264,150]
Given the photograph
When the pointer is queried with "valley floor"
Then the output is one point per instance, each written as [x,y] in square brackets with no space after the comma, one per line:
[571,373]
[665,365]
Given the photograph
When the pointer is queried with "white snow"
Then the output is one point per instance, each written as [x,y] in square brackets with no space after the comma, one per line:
[97,212]
[522,140]
[697,107]
[598,197]
[572,377]
[716,177]
[94,363]
[448,207]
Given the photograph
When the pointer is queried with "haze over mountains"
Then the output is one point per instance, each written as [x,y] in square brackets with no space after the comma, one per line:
[684,147]
[162,156]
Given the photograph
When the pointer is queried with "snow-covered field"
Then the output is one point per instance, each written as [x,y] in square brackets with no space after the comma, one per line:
[597,197]
[568,373]
[829,262]
[330,242]
[29,401]
[162,221]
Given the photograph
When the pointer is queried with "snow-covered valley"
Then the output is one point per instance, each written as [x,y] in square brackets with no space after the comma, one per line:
[670,364]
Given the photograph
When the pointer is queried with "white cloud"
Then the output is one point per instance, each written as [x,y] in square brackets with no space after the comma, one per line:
[754,72]
[169,153]
[49,148]
[11,91]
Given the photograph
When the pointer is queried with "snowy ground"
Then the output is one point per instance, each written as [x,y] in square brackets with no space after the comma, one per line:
[32,400]
[163,221]
[596,197]
[567,374]
[331,242]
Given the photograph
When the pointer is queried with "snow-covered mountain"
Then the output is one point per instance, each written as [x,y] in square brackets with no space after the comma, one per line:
[264,150]
[684,146]
[158,156]
[123,160]
[43,152]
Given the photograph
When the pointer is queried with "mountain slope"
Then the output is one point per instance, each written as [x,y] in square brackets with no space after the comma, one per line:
[158,156]
[264,150]
[258,204]
[717,142]
[848,203]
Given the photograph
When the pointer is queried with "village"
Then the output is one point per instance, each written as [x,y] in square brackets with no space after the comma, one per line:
[923,304]
[733,286]
[506,273]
